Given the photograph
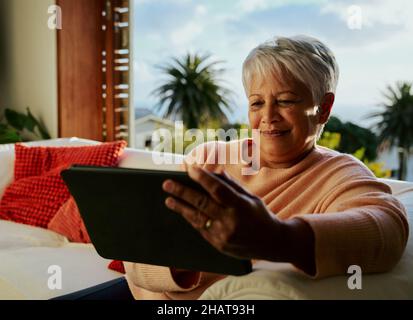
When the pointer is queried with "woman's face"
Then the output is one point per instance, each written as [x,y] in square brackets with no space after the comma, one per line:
[285,114]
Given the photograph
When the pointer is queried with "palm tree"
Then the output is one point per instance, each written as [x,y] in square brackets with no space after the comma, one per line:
[192,91]
[395,127]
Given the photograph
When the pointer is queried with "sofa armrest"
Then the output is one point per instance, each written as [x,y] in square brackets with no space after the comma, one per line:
[283,281]
[280,281]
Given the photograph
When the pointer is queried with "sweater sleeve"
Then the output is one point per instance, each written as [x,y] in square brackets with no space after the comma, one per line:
[361,224]
[161,279]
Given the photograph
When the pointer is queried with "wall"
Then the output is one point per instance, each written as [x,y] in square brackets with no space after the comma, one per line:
[28,60]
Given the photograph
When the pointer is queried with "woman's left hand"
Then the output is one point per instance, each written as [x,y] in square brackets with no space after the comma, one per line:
[229,217]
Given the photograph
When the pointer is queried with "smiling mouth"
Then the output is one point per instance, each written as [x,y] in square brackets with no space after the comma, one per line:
[275,133]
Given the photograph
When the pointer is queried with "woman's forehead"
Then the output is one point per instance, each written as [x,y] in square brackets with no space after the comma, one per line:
[279,82]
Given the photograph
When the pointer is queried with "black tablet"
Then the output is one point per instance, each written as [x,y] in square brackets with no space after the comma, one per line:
[125,215]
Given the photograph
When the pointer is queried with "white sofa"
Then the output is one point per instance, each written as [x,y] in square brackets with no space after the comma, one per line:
[27,252]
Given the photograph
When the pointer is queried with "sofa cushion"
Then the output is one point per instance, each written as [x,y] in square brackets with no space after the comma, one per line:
[26,254]
[38,191]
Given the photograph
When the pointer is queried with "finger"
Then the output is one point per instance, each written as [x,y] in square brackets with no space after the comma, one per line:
[198,221]
[219,190]
[200,201]
[193,216]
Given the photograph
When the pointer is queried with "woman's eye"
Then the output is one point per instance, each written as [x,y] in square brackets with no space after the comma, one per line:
[256,104]
[286,102]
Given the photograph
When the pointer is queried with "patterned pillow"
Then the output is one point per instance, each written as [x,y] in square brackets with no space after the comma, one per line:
[69,223]
[38,191]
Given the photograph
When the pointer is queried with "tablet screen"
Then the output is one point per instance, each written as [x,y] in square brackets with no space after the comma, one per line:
[125,215]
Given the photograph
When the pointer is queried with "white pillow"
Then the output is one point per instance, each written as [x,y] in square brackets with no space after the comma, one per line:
[15,235]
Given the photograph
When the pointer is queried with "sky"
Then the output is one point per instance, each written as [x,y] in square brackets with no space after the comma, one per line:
[371,39]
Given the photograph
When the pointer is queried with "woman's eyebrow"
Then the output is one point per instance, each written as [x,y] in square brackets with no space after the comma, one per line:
[287,91]
[278,93]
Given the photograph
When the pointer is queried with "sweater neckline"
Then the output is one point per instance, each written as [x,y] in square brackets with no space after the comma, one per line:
[304,162]
[282,174]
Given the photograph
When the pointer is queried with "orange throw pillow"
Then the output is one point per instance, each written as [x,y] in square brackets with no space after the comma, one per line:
[69,223]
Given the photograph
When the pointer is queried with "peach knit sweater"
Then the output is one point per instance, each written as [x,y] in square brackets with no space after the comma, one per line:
[354,217]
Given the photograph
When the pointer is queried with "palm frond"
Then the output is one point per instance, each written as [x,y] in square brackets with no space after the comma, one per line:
[395,121]
[193,90]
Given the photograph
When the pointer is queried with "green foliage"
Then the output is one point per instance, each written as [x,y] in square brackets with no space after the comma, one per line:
[395,122]
[203,135]
[353,137]
[332,140]
[379,170]
[376,167]
[238,126]
[8,134]
[192,91]
[17,123]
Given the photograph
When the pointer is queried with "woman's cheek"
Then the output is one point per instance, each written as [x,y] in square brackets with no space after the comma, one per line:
[254,120]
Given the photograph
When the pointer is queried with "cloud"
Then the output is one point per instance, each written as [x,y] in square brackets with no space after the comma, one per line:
[375,13]
[247,6]
[185,35]
[162,16]
[326,24]
[252,5]
[200,11]
[144,70]
[157,2]
[168,25]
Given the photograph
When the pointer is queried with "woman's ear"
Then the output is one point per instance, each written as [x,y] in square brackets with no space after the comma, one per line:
[325,107]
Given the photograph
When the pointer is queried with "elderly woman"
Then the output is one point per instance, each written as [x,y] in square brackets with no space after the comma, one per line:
[315,208]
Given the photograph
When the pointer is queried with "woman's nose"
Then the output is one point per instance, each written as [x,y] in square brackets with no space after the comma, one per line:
[270,114]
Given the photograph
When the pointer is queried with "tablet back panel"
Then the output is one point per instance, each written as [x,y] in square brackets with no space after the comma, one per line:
[125,214]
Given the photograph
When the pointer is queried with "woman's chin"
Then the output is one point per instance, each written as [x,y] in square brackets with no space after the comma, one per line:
[276,150]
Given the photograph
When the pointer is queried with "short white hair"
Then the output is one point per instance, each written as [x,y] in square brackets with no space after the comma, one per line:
[306,59]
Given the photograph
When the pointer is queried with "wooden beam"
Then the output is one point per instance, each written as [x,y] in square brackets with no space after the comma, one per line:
[79,48]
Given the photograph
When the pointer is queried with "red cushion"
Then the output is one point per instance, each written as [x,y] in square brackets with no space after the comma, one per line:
[69,223]
[117,265]
[38,191]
